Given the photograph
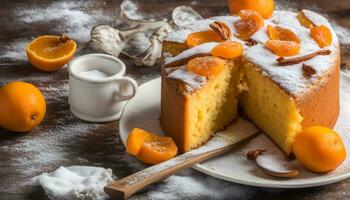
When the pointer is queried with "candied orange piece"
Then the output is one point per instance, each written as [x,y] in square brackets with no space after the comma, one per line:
[157,149]
[201,37]
[136,139]
[283,48]
[251,21]
[228,50]
[264,7]
[319,149]
[207,66]
[150,148]
[279,33]
[304,20]
[322,35]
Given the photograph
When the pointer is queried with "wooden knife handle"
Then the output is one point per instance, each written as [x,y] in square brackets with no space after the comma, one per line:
[125,187]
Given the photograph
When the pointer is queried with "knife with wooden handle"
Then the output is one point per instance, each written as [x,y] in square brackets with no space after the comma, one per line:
[223,141]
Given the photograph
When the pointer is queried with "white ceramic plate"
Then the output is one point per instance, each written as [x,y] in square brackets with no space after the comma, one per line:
[143,112]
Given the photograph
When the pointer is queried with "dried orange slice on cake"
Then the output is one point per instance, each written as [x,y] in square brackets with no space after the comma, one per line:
[322,35]
[208,66]
[50,53]
[283,48]
[201,37]
[249,24]
[228,50]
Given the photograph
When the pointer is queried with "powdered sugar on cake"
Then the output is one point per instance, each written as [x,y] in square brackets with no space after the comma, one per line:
[290,78]
[200,49]
[193,81]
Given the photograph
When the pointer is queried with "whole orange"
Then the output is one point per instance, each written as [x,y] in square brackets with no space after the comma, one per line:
[319,149]
[22,106]
[264,7]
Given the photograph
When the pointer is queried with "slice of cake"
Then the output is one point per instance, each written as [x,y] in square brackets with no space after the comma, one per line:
[286,79]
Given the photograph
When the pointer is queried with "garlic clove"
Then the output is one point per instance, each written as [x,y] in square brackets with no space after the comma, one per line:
[144,49]
[183,15]
[137,44]
[154,53]
[276,165]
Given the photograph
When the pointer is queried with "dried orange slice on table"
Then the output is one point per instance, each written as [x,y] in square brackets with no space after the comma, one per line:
[51,53]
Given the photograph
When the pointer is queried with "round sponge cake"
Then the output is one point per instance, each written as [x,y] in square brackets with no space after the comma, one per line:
[280,100]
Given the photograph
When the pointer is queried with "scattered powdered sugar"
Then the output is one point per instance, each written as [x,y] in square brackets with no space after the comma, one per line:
[14,50]
[189,184]
[75,182]
[183,15]
[130,9]
[94,74]
[286,5]
[49,148]
[74,20]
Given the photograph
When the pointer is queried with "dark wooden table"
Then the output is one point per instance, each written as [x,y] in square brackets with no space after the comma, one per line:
[64,140]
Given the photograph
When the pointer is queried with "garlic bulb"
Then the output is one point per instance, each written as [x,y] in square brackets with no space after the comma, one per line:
[106,39]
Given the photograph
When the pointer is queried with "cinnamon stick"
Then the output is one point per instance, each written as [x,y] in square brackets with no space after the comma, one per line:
[281,61]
